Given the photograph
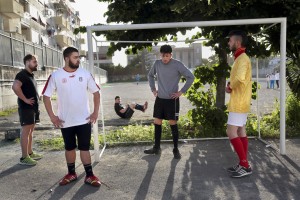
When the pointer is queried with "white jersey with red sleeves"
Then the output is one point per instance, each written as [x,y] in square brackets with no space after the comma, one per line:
[72,94]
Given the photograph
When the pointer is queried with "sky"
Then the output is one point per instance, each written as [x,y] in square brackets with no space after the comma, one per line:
[94,13]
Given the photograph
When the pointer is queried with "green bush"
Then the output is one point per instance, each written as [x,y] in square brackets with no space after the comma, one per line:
[270,123]
[293,116]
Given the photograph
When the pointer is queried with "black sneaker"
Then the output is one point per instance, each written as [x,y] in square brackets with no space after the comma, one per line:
[241,171]
[176,153]
[233,168]
[153,150]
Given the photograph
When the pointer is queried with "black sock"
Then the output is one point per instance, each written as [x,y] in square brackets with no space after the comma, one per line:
[157,135]
[88,170]
[175,135]
[139,107]
[71,168]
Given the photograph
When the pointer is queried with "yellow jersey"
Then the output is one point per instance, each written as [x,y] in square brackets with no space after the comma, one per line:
[241,85]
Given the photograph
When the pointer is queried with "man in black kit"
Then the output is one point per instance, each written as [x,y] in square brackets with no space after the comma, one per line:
[127,111]
[25,88]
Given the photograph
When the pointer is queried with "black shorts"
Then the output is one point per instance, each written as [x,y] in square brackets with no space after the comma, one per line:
[83,133]
[167,109]
[128,113]
[28,116]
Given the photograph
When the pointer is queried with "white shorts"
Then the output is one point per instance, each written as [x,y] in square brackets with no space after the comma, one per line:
[237,119]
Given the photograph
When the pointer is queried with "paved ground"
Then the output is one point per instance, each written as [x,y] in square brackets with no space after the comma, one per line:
[130,174]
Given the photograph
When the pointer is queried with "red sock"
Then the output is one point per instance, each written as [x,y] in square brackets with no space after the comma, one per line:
[245,144]
[239,149]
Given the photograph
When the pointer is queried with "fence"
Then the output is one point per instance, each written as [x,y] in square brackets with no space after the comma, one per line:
[13,50]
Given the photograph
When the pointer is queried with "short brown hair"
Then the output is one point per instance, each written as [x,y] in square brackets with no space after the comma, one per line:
[241,34]
[68,51]
[28,57]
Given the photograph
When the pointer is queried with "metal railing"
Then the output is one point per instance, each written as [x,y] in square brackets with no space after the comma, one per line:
[13,50]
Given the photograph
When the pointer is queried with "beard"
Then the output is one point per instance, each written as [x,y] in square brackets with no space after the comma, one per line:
[233,48]
[73,65]
[33,68]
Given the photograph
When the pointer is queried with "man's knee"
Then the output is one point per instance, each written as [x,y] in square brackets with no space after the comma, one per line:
[232,131]
[157,121]
[172,122]
[242,131]
[132,106]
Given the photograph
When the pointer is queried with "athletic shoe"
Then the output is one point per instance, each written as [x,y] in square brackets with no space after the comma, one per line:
[241,171]
[68,179]
[153,150]
[92,180]
[27,161]
[176,153]
[35,156]
[233,168]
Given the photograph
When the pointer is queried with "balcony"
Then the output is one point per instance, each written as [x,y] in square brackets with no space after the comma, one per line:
[61,22]
[62,4]
[69,26]
[82,53]
[11,8]
[25,20]
[12,25]
[36,26]
[81,41]
[63,40]
[70,41]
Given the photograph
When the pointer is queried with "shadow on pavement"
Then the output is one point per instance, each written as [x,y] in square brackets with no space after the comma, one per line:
[144,187]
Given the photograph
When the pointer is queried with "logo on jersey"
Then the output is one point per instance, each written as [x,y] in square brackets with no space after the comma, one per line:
[64,80]
[73,75]
[80,79]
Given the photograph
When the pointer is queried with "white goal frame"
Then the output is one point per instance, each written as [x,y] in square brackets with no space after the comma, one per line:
[283,29]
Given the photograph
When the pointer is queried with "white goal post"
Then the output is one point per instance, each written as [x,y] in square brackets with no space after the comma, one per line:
[283,28]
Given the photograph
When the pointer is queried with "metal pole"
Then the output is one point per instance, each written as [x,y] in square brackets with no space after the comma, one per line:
[257,96]
[186,24]
[98,49]
[12,49]
[102,118]
[91,67]
[282,85]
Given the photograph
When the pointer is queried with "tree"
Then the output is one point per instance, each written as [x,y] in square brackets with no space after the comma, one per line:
[155,11]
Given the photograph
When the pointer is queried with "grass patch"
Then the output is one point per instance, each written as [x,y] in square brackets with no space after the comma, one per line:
[53,144]
[126,135]
[7,112]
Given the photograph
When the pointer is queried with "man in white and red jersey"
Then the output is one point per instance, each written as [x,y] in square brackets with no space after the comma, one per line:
[73,116]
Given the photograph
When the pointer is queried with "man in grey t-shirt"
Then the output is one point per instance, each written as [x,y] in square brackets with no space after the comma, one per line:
[168,72]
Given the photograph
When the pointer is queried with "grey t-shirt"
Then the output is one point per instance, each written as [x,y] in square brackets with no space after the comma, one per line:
[168,77]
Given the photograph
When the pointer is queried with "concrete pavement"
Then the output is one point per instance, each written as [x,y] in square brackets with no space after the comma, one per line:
[128,173]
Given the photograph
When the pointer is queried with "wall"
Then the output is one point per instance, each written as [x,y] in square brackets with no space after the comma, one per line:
[8,99]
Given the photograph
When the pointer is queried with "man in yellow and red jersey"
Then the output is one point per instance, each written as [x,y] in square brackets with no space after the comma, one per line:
[240,89]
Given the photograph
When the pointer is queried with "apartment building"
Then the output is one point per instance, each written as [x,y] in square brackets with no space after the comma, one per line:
[43,22]
[190,56]
[100,56]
